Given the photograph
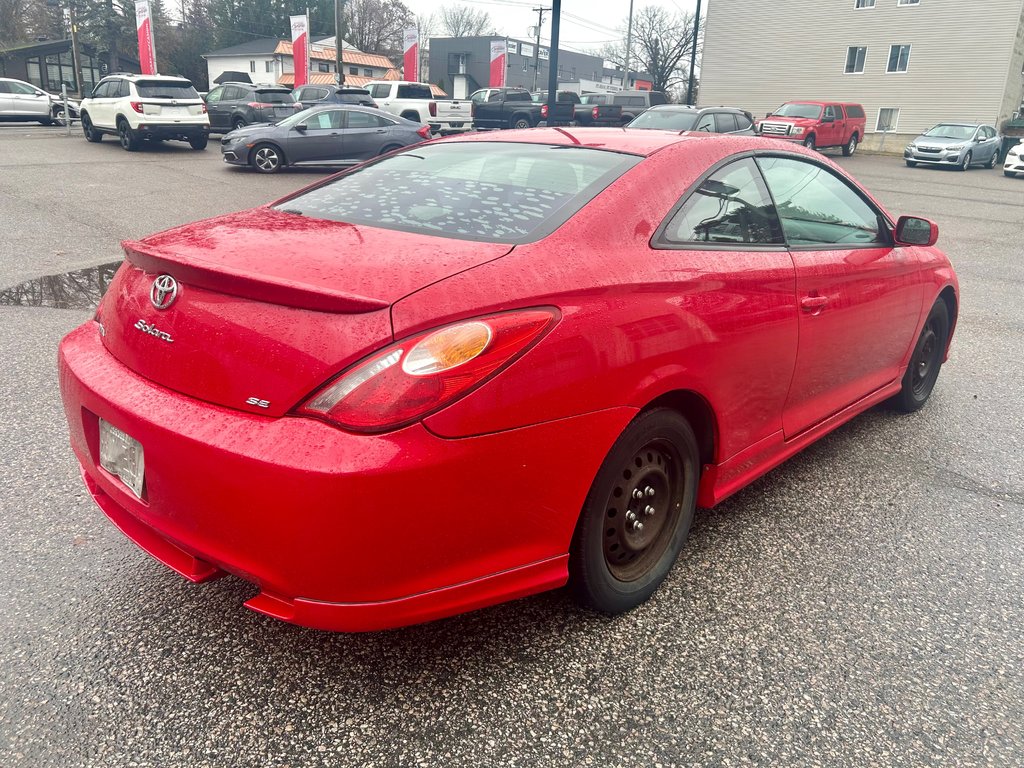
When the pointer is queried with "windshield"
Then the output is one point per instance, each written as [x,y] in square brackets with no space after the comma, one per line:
[498,192]
[275,97]
[666,119]
[944,131]
[812,111]
[166,89]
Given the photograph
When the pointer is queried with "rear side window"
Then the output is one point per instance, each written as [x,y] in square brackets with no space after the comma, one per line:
[166,89]
[817,207]
[730,206]
[414,91]
[743,123]
[274,97]
[725,122]
[657,97]
[364,120]
[517,96]
[121,90]
[380,90]
[233,93]
[854,111]
[499,192]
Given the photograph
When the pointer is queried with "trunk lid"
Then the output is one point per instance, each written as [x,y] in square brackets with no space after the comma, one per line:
[268,305]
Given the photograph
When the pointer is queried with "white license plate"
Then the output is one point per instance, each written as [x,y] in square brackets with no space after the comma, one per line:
[174,111]
[121,455]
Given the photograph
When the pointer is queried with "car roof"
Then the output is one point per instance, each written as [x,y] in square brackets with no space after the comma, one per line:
[137,76]
[963,123]
[636,141]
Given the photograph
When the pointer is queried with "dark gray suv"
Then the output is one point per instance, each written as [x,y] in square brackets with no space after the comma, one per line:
[236,105]
[321,95]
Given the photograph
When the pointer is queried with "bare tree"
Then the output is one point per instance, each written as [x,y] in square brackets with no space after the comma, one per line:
[661,46]
[376,26]
[463,21]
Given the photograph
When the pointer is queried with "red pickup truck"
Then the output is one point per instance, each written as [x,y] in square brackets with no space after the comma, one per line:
[816,124]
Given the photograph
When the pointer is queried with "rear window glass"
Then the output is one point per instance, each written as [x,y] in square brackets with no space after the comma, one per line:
[275,97]
[487,191]
[854,110]
[414,92]
[166,89]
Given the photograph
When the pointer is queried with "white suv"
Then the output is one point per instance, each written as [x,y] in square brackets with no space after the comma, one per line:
[138,107]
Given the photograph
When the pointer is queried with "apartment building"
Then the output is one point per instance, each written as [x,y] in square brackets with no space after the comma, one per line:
[911,63]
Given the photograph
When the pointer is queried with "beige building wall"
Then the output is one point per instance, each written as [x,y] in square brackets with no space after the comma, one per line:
[761,53]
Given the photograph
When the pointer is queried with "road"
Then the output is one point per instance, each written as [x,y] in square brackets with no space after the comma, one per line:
[861,605]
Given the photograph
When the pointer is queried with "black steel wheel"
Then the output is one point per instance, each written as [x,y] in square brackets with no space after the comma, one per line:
[638,513]
[91,134]
[925,361]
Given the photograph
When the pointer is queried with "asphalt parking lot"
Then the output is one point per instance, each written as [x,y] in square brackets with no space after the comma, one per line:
[861,605]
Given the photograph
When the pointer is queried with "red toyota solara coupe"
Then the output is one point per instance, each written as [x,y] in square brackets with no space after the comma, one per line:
[492,365]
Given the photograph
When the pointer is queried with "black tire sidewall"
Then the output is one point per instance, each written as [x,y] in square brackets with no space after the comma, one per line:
[590,579]
[907,400]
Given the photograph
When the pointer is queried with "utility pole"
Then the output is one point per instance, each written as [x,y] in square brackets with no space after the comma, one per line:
[339,19]
[75,61]
[693,54]
[629,44]
[536,46]
[556,18]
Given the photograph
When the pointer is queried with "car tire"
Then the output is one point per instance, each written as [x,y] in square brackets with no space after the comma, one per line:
[925,360]
[966,162]
[519,122]
[59,117]
[993,160]
[1009,174]
[851,146]
[130,141]
[47,121]
[389,148]
[811,143]
[237,124]
[911,164]
[266,158]
[91,134]
[199,142]
[637,514]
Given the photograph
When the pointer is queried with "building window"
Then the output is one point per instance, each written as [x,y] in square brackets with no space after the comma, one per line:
[269,66]
[252,66]
[908,2]
[855,60]
[367,73]
[899,58]
[888,119]
[353,70]
[864,4]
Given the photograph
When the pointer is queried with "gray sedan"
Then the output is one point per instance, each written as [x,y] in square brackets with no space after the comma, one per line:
[332,135]
[679,117]
[955,145]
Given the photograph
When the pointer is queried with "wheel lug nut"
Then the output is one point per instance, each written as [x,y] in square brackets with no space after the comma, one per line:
[631,517]
[648,510]
[649,491]
[638,526]
[637,493]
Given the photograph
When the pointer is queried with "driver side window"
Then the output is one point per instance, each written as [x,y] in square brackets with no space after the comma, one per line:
[817,207]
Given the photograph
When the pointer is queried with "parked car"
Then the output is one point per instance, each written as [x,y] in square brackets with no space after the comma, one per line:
[138,108]
[635,103]
[236,105]
[399,394]
[566,103]
[504,108]
[679,117]
[416,102]
[955,145]
[593,110]
[331,135]
[817,124]
[1014,162]
[22,102]
[313,95]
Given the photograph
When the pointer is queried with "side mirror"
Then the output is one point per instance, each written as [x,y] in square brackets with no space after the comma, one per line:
[911,230]
[828,119]
[301,127]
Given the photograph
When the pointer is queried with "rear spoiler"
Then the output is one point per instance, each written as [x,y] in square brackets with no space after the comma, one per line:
[271,288]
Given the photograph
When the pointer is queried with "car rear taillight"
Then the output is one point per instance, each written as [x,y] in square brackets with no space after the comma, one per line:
[432,109]
[204,109]
[424,131]
[413,378]
[544,111]
[593,112]
[137,106]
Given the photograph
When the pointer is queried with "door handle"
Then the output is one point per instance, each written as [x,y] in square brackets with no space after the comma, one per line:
[813,304]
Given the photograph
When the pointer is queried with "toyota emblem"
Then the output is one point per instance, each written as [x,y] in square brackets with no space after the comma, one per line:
[164,291]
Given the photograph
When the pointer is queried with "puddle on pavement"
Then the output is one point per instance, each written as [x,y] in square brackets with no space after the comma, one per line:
[79,289]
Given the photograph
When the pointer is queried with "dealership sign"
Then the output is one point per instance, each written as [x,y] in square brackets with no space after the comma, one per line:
[144,27]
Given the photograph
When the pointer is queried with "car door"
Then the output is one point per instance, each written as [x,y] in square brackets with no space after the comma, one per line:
[364,134]
[860,297]
[830,133]
[101,110]
[316,139]
[723,250]
[215,107]
[6,104]
[28,101]
[990,141]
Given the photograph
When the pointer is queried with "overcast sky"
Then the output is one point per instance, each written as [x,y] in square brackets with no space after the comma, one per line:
[586,24]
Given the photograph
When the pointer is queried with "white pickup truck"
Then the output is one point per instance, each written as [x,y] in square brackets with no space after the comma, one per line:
[415,102]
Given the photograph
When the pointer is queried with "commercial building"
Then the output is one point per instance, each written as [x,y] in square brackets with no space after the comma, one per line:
[50,63]
[461,65]
[911,63]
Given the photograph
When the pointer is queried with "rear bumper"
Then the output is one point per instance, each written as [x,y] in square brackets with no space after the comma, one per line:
[184,132]
[338,531]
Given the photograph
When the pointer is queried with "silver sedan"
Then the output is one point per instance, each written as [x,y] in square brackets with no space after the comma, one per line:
[333,135]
